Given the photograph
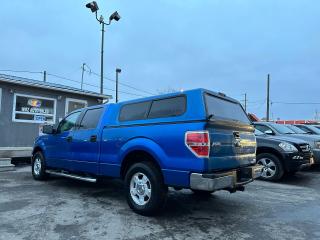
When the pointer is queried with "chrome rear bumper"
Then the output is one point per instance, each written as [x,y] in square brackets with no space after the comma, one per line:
[225,180]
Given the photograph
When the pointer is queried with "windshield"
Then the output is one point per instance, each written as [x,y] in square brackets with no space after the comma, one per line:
[314,129]
[225,109]
[282,128]
[296,129]
[317,126]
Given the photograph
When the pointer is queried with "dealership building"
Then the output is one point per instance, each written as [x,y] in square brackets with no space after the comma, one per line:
[27,104]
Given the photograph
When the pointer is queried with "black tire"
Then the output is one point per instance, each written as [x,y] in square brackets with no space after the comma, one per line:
[156,185]
[278,166]
[38,174]
[202,193]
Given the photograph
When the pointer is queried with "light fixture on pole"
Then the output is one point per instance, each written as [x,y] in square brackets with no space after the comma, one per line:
[93,6]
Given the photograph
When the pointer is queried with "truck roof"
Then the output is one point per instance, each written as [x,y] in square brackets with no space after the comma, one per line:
[187,92]
[192,92]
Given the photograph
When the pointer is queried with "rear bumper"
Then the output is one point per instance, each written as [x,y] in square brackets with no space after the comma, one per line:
[226,180]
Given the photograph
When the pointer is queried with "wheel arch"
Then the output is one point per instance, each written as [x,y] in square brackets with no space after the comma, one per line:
[276,153]
[37,149]
[137,156]
[270,150]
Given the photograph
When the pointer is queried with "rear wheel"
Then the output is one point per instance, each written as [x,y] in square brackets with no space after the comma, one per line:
[38,166]
[272,167]
[145,190]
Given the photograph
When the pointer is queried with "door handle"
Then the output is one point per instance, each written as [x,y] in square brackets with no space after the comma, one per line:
[69,139]
[93,138]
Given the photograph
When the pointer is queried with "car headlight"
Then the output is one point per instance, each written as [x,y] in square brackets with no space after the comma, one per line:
[287,147]
[317,144]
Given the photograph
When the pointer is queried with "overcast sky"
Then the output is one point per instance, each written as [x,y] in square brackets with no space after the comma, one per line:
[224,45]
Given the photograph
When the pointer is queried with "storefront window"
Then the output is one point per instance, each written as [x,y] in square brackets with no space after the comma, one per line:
[34,109]
[74,104]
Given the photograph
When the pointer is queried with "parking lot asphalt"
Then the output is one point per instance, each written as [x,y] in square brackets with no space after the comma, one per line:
[68,209]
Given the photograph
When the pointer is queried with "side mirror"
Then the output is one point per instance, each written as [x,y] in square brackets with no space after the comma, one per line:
[269,132]
[48,129]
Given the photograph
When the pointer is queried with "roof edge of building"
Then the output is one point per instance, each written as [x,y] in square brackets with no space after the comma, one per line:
[62,88]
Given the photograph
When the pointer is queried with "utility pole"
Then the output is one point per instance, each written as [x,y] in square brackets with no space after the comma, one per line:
[268,99]
[83,64]
[118,70]
[44,76]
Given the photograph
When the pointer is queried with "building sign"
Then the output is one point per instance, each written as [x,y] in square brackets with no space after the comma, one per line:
[33,109]
[34,103]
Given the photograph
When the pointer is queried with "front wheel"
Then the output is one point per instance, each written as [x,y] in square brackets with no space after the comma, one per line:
[38,166]
[145,190]
[272,167]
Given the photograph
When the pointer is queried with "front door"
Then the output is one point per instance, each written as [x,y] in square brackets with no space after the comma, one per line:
[58,147]
[85,146]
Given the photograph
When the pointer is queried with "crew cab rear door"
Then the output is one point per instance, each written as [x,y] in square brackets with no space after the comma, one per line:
[85,146]
[232,139]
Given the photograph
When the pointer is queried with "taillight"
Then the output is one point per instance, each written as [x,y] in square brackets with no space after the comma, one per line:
[198,142]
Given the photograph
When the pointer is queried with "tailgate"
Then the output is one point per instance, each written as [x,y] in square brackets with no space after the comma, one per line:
[232,146]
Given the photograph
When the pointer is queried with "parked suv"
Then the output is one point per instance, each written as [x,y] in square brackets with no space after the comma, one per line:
[275,129]
[280,155]
[197,139]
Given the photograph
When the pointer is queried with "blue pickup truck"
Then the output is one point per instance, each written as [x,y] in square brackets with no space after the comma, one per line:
[197,139]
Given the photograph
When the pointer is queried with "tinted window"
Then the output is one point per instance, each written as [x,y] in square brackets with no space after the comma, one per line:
[263,128]
[68,123]
[282,128]
[296,129]
[221,108]
[314,129]
[168,107]
[91,118]
[258,132]
[303,128]
[134,111]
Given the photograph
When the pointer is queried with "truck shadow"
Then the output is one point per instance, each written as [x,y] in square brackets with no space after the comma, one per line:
[111,194]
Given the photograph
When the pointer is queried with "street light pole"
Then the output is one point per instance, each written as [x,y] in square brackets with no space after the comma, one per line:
[118,70]
[102,49]
[115,16]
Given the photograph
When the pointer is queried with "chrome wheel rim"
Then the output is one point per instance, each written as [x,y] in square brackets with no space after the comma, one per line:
[140,189]
[37,166]
[269,167]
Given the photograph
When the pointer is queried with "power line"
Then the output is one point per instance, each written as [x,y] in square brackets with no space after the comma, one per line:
[120,83]
[92,85]
[72,80]
[297,103]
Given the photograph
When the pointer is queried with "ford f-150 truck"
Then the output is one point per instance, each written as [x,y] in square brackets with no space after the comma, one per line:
[197,139]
